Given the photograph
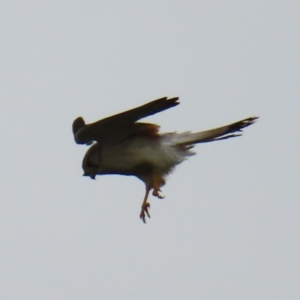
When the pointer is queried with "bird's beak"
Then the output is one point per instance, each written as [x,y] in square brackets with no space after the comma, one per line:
[93,176]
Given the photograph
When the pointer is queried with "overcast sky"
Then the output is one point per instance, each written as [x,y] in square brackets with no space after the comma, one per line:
[229,225]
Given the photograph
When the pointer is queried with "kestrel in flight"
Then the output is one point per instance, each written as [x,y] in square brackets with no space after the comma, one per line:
[127,147]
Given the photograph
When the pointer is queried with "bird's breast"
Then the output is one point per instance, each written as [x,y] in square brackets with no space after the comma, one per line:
[139,153]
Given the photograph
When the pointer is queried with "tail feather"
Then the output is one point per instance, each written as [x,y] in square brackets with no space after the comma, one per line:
[217,134]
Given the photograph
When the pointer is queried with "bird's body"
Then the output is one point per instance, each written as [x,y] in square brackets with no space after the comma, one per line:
[159,153]
[138,149]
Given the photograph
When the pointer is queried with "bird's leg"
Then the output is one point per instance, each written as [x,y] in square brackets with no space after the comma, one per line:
[145,205]
[158,182]
[155,183]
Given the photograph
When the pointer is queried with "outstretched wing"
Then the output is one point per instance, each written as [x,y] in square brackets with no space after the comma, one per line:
[101,130]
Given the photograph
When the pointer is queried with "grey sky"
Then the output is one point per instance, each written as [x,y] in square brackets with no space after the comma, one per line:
[229,225]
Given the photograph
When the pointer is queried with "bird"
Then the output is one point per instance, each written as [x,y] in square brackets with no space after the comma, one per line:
[122,146]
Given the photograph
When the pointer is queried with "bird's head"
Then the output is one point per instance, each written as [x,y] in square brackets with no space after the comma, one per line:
[91,162]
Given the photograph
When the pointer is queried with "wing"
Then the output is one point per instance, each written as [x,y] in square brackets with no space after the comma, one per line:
[103,129]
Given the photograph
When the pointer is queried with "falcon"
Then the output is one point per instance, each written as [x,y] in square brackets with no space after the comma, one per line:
[122,145]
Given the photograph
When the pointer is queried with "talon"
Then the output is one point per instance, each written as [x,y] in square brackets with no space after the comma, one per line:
[157,194]
[143,217]
[145,207]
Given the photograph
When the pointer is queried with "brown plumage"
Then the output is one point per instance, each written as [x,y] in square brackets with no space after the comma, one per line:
[126,147]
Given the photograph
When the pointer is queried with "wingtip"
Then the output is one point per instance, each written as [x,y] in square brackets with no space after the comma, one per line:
[78,123]
[173,100]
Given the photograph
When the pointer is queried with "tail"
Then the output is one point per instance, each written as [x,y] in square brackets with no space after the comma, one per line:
[221,133]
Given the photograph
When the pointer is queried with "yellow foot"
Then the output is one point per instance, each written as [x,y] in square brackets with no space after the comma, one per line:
[145,207]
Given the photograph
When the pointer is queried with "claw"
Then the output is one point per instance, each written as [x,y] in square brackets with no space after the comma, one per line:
[157,194]
[145,207]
